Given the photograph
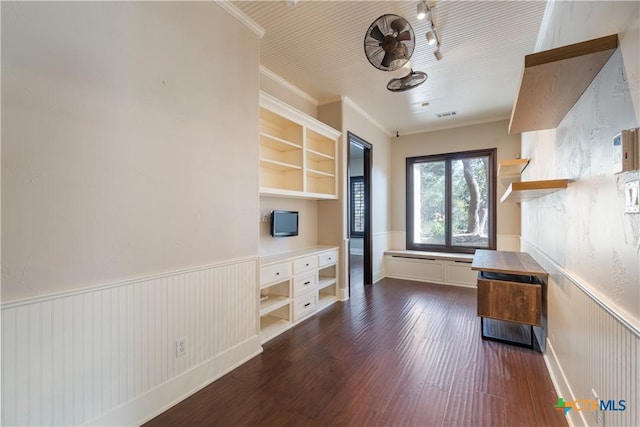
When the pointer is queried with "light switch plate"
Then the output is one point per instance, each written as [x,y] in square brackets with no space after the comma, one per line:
[632,196]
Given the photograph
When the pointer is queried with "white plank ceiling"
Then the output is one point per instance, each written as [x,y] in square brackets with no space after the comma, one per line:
[318,47]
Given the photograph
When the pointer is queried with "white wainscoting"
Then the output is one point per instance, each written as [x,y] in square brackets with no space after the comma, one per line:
[107,355]
[590,345]
[432,267]
[380,242]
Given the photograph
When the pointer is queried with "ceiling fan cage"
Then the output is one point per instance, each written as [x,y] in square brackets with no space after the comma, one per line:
[411,80]
[389,42]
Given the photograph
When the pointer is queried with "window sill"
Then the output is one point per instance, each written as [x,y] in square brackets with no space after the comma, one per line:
[405,253]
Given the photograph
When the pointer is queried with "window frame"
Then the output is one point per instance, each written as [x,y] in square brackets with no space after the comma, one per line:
[491,153]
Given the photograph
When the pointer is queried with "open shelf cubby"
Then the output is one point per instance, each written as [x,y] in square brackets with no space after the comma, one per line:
[298,153]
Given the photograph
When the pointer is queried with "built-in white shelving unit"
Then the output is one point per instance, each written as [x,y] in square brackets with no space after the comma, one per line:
[294,285]
[298,153]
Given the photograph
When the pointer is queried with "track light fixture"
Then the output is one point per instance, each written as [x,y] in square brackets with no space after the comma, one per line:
[425,11]
[422,9]
[431,37]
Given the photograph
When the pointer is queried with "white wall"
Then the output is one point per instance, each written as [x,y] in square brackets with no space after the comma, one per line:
[128,146]
[581,235]
[487,135]
[129,206]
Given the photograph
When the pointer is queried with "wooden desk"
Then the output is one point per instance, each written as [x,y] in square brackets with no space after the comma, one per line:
[508,289]
[517,263]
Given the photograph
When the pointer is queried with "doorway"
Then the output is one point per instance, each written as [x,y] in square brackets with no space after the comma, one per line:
[359,206]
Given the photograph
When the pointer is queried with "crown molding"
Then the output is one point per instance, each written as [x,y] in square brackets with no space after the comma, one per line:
[492,119]
[241,16]
[349,102]
[295,89]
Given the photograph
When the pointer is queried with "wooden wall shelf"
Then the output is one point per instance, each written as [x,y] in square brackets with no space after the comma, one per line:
[526,190]
[512,167]
[553,80]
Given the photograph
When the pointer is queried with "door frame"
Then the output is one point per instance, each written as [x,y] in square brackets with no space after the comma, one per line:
[368,164]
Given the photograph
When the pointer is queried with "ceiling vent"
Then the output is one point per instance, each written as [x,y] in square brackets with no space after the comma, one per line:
[447,114]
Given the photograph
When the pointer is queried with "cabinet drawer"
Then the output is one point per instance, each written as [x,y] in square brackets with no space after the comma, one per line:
[511,301]
[305,264]
[305,306]
[275,273]
[304,283]
[327,258]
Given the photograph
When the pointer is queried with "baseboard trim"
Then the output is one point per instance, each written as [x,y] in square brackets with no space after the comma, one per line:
[561,385]
[151,404]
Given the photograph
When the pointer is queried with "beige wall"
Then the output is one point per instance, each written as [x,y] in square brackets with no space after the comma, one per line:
[351,118]
[355,122]
[488,135]
[307,225]
[128,147]
[331,214]
[274,85]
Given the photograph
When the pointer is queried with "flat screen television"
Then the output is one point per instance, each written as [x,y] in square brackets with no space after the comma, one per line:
[284,223]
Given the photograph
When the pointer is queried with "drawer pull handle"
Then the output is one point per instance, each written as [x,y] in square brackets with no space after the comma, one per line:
[306,265]
[307,304]
[277,273]
[330,258]
[307,283]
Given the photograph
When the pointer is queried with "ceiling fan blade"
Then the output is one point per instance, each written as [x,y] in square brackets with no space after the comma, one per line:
[377,34]
[404,36]
[396,54]
[398,25]
[388,58]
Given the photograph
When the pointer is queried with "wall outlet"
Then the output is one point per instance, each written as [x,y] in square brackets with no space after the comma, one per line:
[181,346]
[266,216]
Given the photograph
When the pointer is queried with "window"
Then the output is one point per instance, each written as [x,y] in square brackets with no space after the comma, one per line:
[357,206]
[451,202]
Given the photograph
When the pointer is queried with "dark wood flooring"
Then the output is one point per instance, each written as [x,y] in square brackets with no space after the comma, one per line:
[398,353]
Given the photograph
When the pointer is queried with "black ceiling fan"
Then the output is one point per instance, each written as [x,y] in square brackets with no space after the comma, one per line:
[411,80]
[389,42]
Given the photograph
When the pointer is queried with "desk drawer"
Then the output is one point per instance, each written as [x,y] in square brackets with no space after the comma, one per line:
[511,301]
